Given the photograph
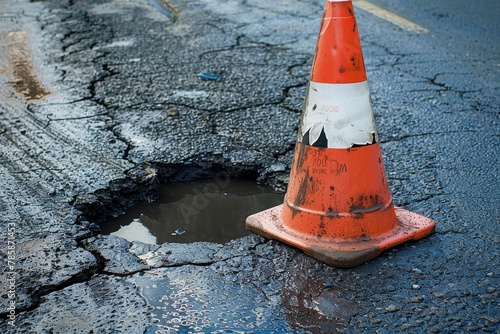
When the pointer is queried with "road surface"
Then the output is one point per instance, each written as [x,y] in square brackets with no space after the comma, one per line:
[102,100]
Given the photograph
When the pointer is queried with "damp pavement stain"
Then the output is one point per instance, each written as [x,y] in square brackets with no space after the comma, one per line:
[206,210]
[245,285]
[240,288]
[184,302]
[18,65]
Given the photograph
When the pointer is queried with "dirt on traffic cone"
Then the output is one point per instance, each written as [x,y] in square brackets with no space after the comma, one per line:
[338,207]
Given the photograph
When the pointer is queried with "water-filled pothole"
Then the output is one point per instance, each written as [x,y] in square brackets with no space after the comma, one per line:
[210,210]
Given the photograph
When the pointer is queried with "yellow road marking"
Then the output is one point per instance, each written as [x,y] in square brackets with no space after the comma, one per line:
[390,17]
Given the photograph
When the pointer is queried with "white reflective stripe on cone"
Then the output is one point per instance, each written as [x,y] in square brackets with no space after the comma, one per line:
[339,0]
[344,111]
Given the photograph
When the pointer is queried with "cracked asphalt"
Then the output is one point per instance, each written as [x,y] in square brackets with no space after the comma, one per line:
[101,101]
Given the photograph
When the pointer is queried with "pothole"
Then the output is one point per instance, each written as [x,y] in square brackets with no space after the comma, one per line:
[208,210]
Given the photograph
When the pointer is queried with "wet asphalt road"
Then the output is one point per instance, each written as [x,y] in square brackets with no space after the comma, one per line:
[102,101]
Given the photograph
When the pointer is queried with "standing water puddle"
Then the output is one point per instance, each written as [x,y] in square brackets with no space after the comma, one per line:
[210,210]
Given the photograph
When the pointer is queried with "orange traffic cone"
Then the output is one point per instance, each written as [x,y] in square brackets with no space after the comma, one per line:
[338,207]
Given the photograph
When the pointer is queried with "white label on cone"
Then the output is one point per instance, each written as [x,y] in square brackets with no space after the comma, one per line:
[343,112]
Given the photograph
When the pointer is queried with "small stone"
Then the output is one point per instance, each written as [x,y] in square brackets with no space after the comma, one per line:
[376,321]
[405,327]
[416,287]
[328,285]
[180,231]
[417,299]
[173,112]
[392,308]
[277,167]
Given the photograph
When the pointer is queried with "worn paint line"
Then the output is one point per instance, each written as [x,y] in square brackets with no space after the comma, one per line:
[390,17]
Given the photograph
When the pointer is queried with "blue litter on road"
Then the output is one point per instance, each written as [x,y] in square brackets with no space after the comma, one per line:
[209,76]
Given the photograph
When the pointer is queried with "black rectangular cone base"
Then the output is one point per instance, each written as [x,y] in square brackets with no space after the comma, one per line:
[345,253]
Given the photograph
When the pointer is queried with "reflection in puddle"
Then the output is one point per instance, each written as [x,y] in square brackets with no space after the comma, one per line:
[136,231]
[193,300]
[321,307]
[211,210]
[20,65]
[271,297]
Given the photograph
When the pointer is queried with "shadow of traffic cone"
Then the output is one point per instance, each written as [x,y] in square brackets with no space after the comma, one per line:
[338,207]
